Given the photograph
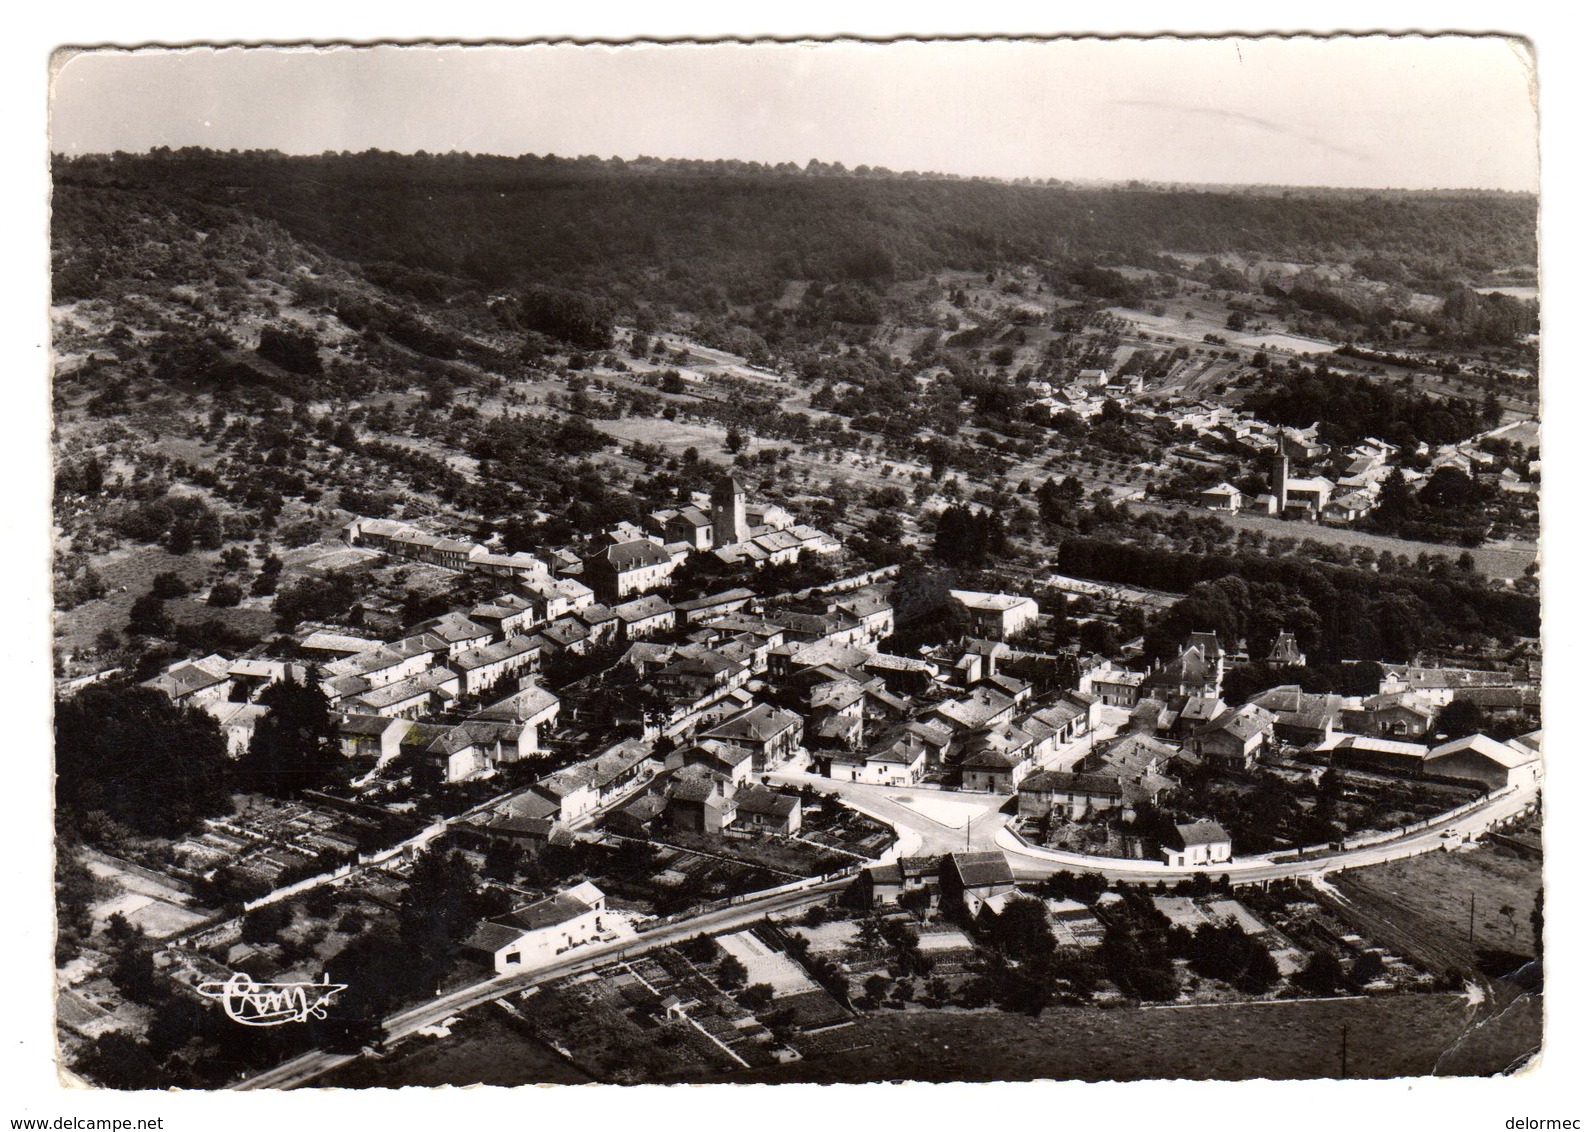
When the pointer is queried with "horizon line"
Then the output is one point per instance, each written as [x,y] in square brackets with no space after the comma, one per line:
[1024,181]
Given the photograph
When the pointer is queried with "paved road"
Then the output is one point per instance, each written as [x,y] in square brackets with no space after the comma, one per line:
[307,1067]
[928,822]
[921,834]
[1034,864]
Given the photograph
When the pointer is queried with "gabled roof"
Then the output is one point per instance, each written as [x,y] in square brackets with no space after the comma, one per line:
[993,603]
[690,516]
[557,909]
[888,662]
[617,761]
[1241,723]
[415,686]
[493,937]
[510,649]
[421,735]
[1203,709]
[1187,667]
[981,870]
[565,631]
[906,750]
[757,725]
[933,734]
[507,605]
[642,608]
[189,677]
[1375,745]
[1057,782]
[523,705]
[635,555]
[1203,832]
[453,627]
[375,725]
[836,695]
[565,782]
[727,597]
[761,800]
[865,605]
[595,614]
[1483,745]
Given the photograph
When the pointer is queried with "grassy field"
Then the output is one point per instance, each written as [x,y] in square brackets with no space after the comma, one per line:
[1402,1036]
[1436,887]
[483,1049]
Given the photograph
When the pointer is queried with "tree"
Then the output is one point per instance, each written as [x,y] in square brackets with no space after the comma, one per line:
[437,912]
[225,595]
[917,901]
[131,754]
[583,321]
[875,988]
[293,350]
[132,968]
[148,618]
[869,931]
[265,923]
[1459,718]
[1022,930]
[117,1060]
[294,747]
[731,973]
[1321,975]
[166,585]
[757,998]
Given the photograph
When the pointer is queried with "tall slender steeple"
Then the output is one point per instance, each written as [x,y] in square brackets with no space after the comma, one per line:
[728,513]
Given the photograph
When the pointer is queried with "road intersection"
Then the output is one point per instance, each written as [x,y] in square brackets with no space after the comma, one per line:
[927,822]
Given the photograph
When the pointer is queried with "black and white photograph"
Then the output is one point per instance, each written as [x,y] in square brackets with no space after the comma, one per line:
[797,561]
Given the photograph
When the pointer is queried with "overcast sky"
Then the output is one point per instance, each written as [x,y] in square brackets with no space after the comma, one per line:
[1377,112]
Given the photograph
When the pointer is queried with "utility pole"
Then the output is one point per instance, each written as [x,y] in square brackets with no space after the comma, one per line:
[1344,1051]
[1471,917]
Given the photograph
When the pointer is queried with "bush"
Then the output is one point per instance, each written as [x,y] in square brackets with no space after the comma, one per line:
[166,585]
[225,595]
[756,998]
[731,973]
[265,923]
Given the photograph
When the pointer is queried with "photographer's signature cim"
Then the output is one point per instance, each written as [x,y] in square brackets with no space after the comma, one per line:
[272,1004]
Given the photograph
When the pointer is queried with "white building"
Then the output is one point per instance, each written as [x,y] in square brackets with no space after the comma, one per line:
[1198,843]
[537,934]
[997,616]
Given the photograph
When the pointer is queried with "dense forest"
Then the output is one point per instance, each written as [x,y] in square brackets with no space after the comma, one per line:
[702,236]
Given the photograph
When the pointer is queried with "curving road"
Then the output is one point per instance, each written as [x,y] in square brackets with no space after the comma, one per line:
[307,1067]
[931,822]
[928,823]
